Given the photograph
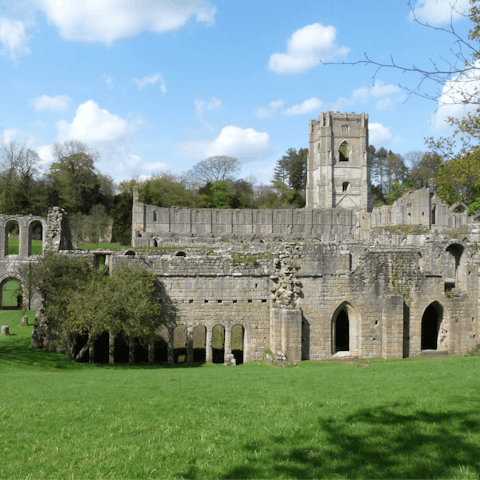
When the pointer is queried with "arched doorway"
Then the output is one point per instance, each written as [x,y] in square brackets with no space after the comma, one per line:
[346,328]
[199,344]
[342,332]
[431,321]
[218,344]
[180,344]
[11,297]
[238,333]
[35,238]
[12,238]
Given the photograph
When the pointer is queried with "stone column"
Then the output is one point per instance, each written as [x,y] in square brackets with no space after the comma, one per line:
[189,344]
[131,353]
[23,243]
[228,341]
[208,347]
[171,358]
[151,353]
[111,349]
[91,353]
[392,327]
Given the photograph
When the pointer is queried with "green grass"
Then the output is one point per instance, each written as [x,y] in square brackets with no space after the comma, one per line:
[414,418]
[13,247]
[9,294]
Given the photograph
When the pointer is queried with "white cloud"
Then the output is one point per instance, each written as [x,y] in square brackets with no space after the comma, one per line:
[150,80]
[379,89]
[59,103]
[10,135]
[247,145]
[13,39]
[107,80]
[438,12]
[305,107]
[205,105]
[380,136]
[108,133]
[46,156]
[306,48]
[450,103]
[108,20]
[95,125]
[388,96]
[270,109]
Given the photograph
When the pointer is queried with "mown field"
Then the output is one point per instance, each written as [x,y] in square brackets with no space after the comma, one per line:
[398,419]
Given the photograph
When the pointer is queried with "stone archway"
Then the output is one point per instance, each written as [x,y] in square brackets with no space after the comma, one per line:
[431,322]
[346,330]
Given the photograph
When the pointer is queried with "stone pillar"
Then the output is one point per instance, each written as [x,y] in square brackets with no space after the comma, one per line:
[131,353]
[91,353]
[189,344]
[170,354]
[292,334]
[24,321]
[275,329]
[23,241]
[111,349]
[5,330]
[208,347]
[392,327]
[151,353]
[228,341]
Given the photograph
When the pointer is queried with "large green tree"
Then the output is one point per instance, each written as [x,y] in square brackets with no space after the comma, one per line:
[80,300]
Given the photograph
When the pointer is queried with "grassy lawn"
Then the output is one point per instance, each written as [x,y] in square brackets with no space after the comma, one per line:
[9,295]
[398,419]
[13,246]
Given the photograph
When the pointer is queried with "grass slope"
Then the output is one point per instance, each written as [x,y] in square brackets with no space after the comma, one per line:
[399,419]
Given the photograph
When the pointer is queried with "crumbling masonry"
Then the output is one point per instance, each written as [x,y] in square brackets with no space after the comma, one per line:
[336,279]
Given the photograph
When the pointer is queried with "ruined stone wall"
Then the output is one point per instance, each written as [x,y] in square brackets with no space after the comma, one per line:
[155,223]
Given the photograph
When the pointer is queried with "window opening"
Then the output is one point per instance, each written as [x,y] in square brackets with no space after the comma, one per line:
[344,152]
[345,186]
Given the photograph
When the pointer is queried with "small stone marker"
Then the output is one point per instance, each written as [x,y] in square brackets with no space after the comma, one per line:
[24,322]
[5,330]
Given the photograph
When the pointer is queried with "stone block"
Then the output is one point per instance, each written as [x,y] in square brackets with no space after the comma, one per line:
[5,330]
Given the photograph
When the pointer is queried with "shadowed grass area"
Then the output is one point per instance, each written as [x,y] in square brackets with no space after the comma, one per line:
[398,419]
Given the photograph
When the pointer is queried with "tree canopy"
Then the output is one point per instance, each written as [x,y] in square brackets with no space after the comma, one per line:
[80,300]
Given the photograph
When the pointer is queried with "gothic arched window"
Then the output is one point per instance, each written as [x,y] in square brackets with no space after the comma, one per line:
[343,152]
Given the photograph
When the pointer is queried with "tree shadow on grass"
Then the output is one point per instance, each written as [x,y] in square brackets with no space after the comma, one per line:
[390,445]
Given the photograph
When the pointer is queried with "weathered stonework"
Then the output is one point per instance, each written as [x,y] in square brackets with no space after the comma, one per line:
[327,282]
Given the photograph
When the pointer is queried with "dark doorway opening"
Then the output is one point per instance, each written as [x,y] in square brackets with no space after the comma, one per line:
[342,334]
[141,353]
[199,341]
[81,341]
[121,350]
[161,351]
[406,330]
[430,326]
[218,344]
[180,344]
[237,343]
[102,345]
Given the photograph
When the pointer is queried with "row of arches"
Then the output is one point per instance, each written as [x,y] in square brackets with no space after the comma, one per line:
[195,344]
[345,329]
[23,239]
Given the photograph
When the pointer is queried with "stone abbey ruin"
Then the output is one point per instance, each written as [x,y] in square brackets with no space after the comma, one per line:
[335,279]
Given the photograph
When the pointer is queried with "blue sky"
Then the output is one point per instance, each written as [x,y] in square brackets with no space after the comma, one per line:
[158,85]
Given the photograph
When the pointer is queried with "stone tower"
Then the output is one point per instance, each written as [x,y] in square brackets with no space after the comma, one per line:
[338,165]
